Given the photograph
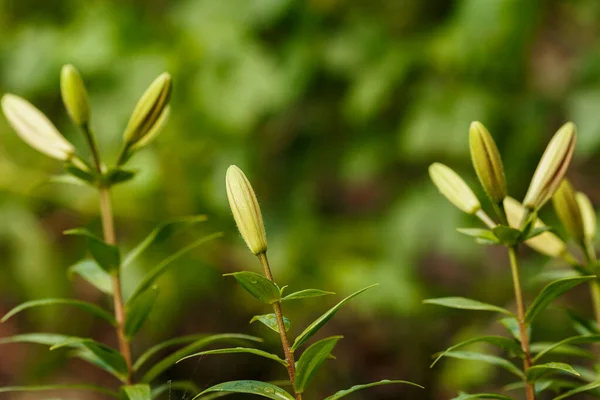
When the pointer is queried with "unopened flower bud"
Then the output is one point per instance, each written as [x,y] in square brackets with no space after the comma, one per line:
[552,167]
[487,162]
[546,243]
[568,211]
[588,215]
[74,95]
[454,188]
[246,210]
[35,129]
[149,111]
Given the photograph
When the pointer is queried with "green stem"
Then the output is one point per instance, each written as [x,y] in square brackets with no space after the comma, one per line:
[287,349]
[514,267]
[485,218]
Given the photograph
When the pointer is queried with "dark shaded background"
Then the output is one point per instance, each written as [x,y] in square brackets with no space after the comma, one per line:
[334,109]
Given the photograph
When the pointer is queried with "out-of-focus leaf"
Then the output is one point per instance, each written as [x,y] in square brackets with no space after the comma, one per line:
[500,341]
[136,392]
[162,267]
[118,175]
[170,360]
[552,291]
[466,304]
[572,340]
[322,320]
[343,393]
[46,388]
[258,388]
[258,286]
[486,358]
[563,349]
[478,233]
[105,254]
[179,386]
[580,389]
[270,321]
[538,371]
[507,235]
[109,356]
[512,326]
[161,233]
[583,325]
[234,350]
[138,310]
[310,361]
[166,344]
[305,294]
[49,339]
[490,396]
[89,307]
[94,274]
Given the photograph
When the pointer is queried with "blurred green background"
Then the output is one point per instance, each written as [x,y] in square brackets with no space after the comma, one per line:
[334,109]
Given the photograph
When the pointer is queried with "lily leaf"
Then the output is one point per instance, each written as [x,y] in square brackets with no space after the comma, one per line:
[311,360]
[94,274]
[552,291]
[305,294]
[46,388]
[491,396]
[137,311]
[572,340]
[233,350]
[136,392]
[258,286]
[466,304]
[270,321]
[500,341]
[109,357]
[83,305]
[580,389]
[486,358]
[258,388]
[538,371]
[343,393]
[106,255]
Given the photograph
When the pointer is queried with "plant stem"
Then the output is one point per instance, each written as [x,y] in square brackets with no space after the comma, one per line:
[485,219]
[514,267]
[287,350]
[108,228]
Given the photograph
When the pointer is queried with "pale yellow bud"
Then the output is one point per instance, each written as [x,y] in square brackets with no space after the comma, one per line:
[246,210]
[588,215]
[487,162]
[546,243]
[155,130]
[552,167]
[35,128]
[74,95]
[149,111]
[568,211]
[454,188]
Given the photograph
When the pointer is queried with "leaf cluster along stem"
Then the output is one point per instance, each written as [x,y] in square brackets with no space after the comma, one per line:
[287,350]
[108,229]
[514,267]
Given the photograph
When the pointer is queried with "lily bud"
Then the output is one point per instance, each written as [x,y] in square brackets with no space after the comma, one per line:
[149,110]
[546,243]
[451,185]
[155,130]
[568,211]
[552,167]
[246,210]
[588,215]
[74,95]
[35,128]
[487,162]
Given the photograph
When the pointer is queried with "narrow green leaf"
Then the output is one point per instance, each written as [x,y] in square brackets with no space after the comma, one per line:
[270,320]
[311,360]
[343,393]
[537,231]
[93,359]
[180,386]
[88,176]
[161,233]
[258,388]
[114,176]
[89,307]
[194,347]
[583,325]
[552,291]
[46,388]
[67,179]
[486,358]
[233,350]
[491,396]
[162,267]
[147,355]
[137,311]
[563,349]
[512,326]
[136,392]
[322,320]
[500,341]
[572,340]
[94,274]
[305,294]
[580,389]
[483,234]
[507,235]
[466,304]
[538,371]
[108,355]
[258,286]
[48,339]
[105,254]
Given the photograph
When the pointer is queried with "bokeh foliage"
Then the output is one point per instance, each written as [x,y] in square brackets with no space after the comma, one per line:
[334,108]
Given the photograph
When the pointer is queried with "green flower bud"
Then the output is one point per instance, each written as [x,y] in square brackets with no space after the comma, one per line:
[487,162]
[149,112]
[454,188]
[35,129]
[568,211]
[246,210]
[552,167]
[74,95]
[546,243]
[588,216]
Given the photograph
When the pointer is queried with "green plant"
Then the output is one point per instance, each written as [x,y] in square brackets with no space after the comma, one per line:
[518,224]
[248,217]
[103,269]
